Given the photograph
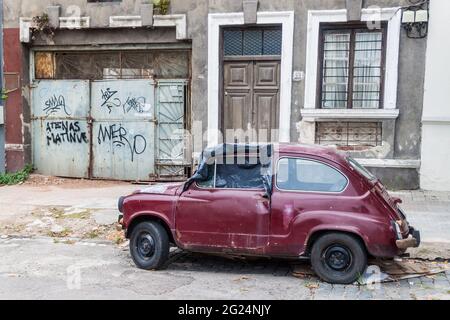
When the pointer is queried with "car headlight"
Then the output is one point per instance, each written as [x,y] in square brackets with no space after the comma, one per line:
[120,204]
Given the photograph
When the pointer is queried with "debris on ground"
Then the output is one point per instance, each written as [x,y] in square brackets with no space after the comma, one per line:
[67,222]
[386,270]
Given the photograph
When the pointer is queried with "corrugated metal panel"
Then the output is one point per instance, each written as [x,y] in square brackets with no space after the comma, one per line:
[60,130]
[123,129]
[170,106]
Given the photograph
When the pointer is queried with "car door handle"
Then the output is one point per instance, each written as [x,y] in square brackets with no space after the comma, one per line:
[262,196]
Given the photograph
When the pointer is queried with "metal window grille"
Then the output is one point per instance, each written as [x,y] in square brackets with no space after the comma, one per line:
[351,68]
[349,135]
[252,42]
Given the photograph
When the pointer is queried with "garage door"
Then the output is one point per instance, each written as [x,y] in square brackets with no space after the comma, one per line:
[123,129]
[109,129]
[61,135]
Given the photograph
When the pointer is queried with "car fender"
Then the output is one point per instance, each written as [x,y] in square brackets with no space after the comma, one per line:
[374,231]
[150,214]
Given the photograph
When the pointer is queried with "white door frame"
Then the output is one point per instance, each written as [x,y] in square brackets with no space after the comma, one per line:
[215,21]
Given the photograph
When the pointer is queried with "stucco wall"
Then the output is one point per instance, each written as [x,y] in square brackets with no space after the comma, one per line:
[405,134]
[435,171]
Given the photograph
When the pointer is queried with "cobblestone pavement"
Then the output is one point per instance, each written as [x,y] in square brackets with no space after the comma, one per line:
[42,269]
[46,268]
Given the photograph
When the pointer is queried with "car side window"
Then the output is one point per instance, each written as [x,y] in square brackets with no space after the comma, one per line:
[234,176]
[298,174]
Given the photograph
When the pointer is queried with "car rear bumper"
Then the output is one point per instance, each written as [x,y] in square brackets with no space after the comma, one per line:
[411,241]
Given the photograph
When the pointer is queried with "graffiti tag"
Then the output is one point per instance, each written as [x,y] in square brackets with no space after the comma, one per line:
[118,135]
[65,132]
[109,100]
[55,104]
[135,104]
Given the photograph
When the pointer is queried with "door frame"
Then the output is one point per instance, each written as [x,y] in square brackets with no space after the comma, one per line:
[218,20]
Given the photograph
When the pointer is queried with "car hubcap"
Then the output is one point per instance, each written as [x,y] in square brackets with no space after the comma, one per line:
[337,257]
[145,245]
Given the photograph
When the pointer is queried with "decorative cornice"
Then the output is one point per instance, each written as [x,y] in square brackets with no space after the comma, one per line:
[171,20]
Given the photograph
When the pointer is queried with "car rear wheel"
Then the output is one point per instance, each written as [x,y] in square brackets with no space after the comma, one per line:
[338,258]
[149,245]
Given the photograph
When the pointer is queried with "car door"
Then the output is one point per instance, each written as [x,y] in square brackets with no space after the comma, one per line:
[304,187]
[227,212]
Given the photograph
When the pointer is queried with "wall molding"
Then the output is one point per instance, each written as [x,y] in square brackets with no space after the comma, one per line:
[171,20]
[436,120]
[74,22]
[390,163]
[215,22]
[315,17]
[125,21]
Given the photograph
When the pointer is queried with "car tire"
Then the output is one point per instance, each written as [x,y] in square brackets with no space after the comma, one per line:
[338,258]
[149,245]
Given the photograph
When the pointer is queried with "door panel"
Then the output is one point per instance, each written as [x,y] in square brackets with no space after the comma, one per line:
[265,112]
[238,75]
[251,98]
[237,114]
[232,219]
[61,135]
[267,74]
[123,129]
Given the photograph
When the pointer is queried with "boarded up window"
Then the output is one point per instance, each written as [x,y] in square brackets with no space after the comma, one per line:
[156,64]
[349,135]
[45,65]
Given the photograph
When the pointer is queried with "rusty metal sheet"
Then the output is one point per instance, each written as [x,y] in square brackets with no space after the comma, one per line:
[60,129]
[123,129]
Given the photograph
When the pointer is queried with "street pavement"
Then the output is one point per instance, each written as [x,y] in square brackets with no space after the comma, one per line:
[43,267]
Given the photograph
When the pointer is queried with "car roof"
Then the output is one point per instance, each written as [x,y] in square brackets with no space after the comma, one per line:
[326,152]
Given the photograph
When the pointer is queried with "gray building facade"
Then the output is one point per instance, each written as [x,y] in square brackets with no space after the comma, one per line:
[124,90]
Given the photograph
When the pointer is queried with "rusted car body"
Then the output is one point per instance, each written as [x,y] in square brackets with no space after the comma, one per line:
[290,201]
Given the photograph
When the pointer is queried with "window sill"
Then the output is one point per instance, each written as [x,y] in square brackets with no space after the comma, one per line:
[312,115]
[390,163]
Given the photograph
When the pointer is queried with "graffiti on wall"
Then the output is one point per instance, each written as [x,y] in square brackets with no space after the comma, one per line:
[58,132]
[110,100]
[120,138]
[55,104]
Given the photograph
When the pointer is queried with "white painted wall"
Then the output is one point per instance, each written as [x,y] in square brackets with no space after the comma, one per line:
[435,170]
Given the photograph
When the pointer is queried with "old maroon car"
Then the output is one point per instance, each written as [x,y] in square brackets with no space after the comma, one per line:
[282,200]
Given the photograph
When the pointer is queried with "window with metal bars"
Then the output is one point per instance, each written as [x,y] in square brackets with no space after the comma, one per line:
[351,68]
[349,136]
[264,41]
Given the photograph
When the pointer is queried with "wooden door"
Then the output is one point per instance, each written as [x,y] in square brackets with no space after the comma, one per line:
[251,97]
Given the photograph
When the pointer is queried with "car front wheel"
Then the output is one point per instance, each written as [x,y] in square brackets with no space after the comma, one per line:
[149,245]
[338,258]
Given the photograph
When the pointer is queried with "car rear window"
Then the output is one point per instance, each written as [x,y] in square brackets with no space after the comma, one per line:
[298,174]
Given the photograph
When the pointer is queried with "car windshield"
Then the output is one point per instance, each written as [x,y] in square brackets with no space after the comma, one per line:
[360,169]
